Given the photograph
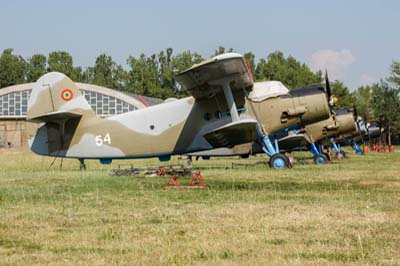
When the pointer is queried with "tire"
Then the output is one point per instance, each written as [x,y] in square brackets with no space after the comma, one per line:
[341,155]
[279,161]
[328,156]
[320,159]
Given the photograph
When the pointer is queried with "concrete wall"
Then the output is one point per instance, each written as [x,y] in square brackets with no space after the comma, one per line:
[16,133]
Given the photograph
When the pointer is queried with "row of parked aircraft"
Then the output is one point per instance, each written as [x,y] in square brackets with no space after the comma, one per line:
[228,114]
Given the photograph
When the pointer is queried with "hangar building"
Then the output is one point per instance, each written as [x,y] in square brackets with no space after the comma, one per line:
[15,130]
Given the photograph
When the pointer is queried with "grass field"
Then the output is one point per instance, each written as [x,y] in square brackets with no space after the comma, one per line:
[344,213]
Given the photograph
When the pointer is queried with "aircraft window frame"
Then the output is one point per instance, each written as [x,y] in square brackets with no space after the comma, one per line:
[14,103]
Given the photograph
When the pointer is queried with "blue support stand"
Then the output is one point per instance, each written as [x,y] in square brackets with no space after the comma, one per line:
[335,147]
[356,148]
[276,145]
[276,160]
[314,149]
[319,145]
[269,149]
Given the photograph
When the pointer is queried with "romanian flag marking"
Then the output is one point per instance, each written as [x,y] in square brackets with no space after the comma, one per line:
[66,94]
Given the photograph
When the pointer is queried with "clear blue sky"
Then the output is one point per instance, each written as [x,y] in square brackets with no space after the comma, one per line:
[356,40]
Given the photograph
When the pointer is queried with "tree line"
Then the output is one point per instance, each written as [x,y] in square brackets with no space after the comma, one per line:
[153,75]
[147,75]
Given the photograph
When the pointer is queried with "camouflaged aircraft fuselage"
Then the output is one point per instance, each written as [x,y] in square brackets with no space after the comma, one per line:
[170,128]
[71,129]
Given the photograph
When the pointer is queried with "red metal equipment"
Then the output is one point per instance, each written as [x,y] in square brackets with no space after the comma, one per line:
[197,181]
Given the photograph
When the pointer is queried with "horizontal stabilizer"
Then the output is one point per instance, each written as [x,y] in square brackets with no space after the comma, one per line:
[49,117]
[232,134]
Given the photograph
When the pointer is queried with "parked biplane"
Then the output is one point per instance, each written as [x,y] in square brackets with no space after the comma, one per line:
[310,137]
[226,109]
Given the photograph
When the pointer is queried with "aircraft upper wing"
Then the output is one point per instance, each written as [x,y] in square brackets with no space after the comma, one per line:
[206,79]
[209,78]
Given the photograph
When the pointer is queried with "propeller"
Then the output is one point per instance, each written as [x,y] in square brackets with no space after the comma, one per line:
[328,89]
[327,84]
[355,114]
[355,111]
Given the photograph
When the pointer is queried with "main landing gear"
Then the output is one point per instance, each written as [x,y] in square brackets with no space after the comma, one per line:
[320,159]
[277,160]
[319,156]
[82,165]
[339,153]
[356,147]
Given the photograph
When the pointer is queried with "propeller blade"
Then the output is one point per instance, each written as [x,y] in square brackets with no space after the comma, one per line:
[328,85]
[355,111]
[355,115]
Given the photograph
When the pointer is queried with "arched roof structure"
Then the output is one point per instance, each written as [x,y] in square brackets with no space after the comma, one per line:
[105,101]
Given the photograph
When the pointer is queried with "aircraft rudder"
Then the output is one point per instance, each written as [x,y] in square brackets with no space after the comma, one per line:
[55,93]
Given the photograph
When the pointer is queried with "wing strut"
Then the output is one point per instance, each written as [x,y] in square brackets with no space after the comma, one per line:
[230,101]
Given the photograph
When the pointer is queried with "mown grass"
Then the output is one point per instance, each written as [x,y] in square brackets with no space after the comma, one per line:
[344,213]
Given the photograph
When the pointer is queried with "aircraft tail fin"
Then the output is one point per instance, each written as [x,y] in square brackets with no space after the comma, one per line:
[56,97]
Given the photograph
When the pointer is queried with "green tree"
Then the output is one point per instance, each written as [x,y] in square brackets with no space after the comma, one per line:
[386,102]
[36,67]
[395,73]
[62,62]
[181,62]
[88,75]
[185,60]
[143,77]
[107,73]
[260,72]
[12,68]
[166,68]
[288,70]
[363,101]
[342,94]
[222,50]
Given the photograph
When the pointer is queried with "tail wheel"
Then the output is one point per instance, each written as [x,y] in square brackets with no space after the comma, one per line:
[341,155]
[279,161]
[320,159]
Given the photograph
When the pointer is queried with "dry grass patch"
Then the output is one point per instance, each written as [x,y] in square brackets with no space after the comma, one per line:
[345,213]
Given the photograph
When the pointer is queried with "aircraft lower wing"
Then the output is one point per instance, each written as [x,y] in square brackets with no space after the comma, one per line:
[243,149]
[232,134]
[293,141]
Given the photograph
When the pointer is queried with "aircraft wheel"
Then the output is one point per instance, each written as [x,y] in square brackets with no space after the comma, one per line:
[341,155]
[279,161]
[320,159]
[82,165]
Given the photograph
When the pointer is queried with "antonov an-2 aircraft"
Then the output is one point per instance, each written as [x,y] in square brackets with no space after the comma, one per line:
[226,109]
